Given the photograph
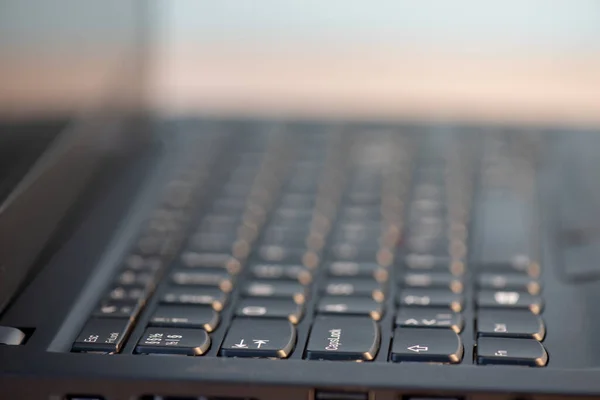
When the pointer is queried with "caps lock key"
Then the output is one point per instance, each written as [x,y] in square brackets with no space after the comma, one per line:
[344,338]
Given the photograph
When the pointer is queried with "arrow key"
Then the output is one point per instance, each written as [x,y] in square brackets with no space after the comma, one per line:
[427,345]
[249,337]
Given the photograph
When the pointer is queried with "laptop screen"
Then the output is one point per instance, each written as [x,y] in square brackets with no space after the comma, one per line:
[68,56]
[462,59]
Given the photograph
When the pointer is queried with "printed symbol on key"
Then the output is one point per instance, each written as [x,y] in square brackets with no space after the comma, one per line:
[444,319]
[259,342]
[418,348]
[254,310]
[112,337]
[506,298]
[340,289]
[241,345]
[109,309]
[501,353]
[336,307]
[418,280]
[258,289]
[419,300]
[92,339]
[500,328]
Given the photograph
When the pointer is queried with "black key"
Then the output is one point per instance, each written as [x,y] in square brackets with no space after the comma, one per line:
[217,223]
[178,341]
[359,214]
[510,323]
[284,240]
[281,271]
[270,308]
[426,227]
[430,298]
[343,338]
[302,185]
[508,281]
[236,189]
[432,280]
[357,234]
[361,197]
[426,245]
[511,351]
[427,345]
[293,200]
[118,309]
[203,278]
[212,242]
[338,246]
[165,221]
[130,277]
[276,289]
[210,296]
[424,317]
[294,242]
[103,335]
[151,245]
[228,206]
[355,231]
[350,252]
[427,206]
[355,287]
[425,262]
[225,261]
[280,254]
[127,293]
[185,316]
[351,306]
[291,219]
[178,194]
[291,214]
[254,337]
[138,263]
[429,190]
[514,300]
[355,269]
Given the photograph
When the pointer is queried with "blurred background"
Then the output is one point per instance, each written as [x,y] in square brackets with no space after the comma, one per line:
[527,60]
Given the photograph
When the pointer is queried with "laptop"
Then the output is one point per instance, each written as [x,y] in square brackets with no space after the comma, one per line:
[209,255]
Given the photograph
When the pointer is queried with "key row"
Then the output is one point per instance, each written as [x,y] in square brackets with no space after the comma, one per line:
[341,339]
[280,281]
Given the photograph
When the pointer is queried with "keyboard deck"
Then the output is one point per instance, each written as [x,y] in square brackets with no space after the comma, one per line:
[332,242]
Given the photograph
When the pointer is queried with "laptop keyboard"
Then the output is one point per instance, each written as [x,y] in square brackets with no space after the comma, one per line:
[322,242]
